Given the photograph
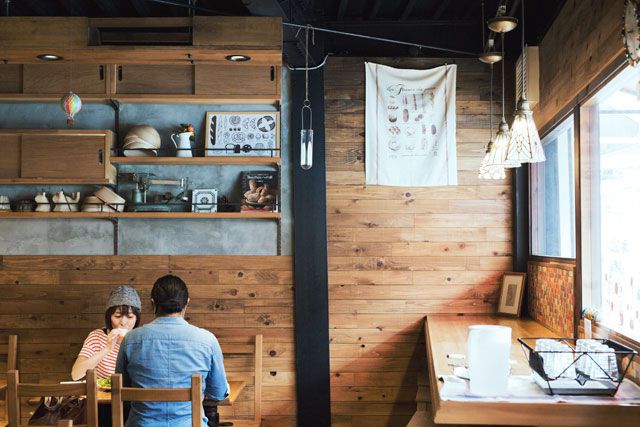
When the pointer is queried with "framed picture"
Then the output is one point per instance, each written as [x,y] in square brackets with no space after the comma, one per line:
[204,200]
[243,133]
[511,294]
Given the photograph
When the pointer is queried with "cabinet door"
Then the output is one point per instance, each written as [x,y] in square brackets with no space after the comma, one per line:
[154,79]
[63,156]
[9,156]
[10,78]
[237,79]
[61,78]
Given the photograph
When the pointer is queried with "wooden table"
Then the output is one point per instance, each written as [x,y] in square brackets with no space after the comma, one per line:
[445,334]
[235,387]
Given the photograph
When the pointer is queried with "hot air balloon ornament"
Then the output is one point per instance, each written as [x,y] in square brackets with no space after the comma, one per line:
[71,105]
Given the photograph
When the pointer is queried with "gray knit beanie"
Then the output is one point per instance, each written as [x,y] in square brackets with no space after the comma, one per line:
[124,295]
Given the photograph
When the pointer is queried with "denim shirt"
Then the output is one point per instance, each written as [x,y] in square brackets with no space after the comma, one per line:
[164,354]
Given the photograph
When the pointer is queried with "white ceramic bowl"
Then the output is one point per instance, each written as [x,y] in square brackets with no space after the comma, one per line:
[140,153]
[145,133]
[110,198]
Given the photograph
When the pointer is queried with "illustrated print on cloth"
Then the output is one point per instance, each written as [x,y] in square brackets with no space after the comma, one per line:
[410,126]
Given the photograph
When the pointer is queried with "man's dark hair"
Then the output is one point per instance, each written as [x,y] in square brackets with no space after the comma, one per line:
[170,294]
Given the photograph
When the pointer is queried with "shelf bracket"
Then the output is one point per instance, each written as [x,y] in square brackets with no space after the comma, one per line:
[116,108]
[116,232]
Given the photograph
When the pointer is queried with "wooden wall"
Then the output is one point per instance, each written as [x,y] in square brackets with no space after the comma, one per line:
[396,254]
[583,40]
[52,302]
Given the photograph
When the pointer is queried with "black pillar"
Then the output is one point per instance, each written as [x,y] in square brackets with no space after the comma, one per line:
[310,259]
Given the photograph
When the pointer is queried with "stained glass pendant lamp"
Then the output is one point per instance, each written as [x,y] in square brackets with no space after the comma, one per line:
[524,144]
[491,167]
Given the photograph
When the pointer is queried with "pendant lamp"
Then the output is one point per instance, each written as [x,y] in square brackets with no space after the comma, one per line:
[524,144]
[491,168]
[502,137]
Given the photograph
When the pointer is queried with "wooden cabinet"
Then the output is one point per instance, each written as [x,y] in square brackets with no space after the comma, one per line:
[237,79]
[58,79]
[154,79]
[10,78]
[56,156]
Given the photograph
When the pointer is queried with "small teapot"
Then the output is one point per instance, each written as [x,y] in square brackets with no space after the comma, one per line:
[64,203]
[42,202]
[183,145]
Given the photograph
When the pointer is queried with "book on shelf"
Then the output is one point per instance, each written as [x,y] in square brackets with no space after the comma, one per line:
[259,191]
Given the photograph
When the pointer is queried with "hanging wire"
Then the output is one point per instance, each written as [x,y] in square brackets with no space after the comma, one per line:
[502,37]
[491,101]
[482,25]
[524,59]
[306,66]
[381,39]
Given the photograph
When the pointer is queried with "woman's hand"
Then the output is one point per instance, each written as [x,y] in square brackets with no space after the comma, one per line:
[112,339]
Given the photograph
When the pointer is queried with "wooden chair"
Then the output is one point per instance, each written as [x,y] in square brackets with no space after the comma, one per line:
[12,364]
[255,350]
[16,390]
[121,394]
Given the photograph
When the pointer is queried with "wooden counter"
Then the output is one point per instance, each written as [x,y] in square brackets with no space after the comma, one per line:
[446,334]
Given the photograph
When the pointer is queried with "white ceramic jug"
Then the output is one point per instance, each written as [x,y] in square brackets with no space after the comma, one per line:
[183,145]
[488,348]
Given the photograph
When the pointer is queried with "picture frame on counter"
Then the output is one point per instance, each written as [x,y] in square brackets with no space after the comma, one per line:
[242,133]
[204,200]
[511,294]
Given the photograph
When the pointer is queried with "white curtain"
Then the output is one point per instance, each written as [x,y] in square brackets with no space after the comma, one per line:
[410,126]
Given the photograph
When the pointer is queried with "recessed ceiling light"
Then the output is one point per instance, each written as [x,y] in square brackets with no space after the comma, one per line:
[50,57]
[237,58]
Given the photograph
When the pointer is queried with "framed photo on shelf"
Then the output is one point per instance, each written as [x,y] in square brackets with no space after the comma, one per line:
[242,133]
[511,294]
[204,200]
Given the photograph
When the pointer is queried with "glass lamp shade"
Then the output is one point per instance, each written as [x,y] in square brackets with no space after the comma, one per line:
[524,144]
[501,146]
[502,24]
[489,169]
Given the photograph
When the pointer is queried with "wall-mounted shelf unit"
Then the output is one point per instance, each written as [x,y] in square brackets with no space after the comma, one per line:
[226,160]
[148,99]
[140,215]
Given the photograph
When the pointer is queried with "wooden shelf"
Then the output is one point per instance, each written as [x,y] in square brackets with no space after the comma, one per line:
[151,99]
[213,160]
[54,181]
[147,215]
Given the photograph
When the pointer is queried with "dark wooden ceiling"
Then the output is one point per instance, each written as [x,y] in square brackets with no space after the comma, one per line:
[454,24]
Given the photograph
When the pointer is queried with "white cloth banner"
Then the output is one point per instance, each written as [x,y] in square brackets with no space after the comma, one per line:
[410,126]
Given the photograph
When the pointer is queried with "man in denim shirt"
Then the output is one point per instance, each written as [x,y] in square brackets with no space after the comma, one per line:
[165,353]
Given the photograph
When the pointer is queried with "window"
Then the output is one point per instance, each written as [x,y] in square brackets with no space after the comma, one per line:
[553,197]
[610,203]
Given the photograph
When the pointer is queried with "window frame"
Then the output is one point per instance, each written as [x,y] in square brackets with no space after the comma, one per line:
[574,107]
[549,132]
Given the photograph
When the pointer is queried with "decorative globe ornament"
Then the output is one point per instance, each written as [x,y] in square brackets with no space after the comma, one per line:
[71,105]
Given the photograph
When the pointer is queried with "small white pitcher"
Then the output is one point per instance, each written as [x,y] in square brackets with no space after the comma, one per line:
[183,145]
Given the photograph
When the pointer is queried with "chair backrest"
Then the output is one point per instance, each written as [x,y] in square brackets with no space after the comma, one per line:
[12,353]
[121,394]
[16,390]
[231,349]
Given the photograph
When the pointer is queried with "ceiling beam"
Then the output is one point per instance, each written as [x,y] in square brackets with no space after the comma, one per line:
[342,8]
[38,8]
[401,24]
[407,10]
[76,8]
[441,9]
[107,7]
[142,7]
[375,9]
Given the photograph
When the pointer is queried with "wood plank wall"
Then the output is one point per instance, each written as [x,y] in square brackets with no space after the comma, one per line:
[396,254]
[583,40]
[52,302]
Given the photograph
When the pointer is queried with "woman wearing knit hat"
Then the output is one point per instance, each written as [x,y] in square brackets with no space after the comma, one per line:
[100,349]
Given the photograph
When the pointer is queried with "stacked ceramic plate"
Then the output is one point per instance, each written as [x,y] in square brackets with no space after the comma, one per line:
[141,141]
